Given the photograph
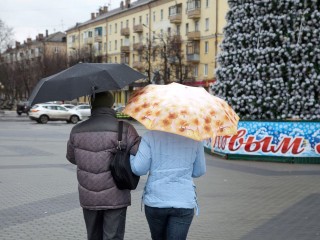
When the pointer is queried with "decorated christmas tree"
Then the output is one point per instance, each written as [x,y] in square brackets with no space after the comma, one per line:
[269,64]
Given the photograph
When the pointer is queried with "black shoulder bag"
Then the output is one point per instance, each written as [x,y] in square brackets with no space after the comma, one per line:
[120,166]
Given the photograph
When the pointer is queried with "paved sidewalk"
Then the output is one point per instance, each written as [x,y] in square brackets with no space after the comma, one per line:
[239,200]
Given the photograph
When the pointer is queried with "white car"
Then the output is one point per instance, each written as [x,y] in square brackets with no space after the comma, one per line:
[84,109]
[67,105]
[42,113]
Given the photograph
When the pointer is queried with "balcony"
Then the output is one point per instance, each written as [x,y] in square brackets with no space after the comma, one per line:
[138,28]
[176,19]
[98,38]
[138,46]
[138,65]
[194,9]
[175,14]
[88,41]
[193,57]
[125,49]
[125,31]
[193,36]
[194,14]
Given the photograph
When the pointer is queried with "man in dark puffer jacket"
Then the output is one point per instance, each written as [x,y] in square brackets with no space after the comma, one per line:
[91,147]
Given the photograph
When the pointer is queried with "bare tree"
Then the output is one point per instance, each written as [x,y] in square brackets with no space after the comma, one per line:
[6,36]
[172,66]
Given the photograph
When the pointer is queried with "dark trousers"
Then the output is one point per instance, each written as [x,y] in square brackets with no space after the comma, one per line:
[169,223]
[105,224]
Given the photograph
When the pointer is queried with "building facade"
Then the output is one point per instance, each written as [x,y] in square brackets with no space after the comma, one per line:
[168,40]
[22,66]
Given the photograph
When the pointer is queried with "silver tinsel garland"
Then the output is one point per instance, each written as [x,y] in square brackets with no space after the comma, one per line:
[269,65]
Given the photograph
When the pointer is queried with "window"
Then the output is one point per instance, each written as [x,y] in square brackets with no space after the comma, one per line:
[56,49]
[207,3]
[178,30]
[115,28]
[109,45]
[133,22]
[140,19]
[154,16]
[196,26]
[90,34]
[195,71]
[98,31]
[207,24]
[153,35]
[115,45]
[187,28]
[115,59]
[110,29]
[205,70]
[161,14]
[206,47]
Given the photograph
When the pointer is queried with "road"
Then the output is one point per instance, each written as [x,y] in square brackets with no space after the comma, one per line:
[239,200]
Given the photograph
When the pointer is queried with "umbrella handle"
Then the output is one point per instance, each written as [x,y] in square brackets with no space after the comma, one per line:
[93,92]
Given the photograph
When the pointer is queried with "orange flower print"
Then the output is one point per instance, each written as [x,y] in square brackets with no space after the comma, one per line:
[183,125]
[212,113]
[137,109]
[207,128]
[207,119]
[166,123]
[157,113]
[184,112]
[196,121]
[145,105]
[173,115]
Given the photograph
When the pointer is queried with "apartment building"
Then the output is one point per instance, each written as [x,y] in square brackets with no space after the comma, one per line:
[168,40]
[23,65]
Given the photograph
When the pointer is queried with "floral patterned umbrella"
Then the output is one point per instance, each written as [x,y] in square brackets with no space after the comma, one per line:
[188,111]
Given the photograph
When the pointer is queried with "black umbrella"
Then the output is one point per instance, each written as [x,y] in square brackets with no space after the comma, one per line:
[83,79]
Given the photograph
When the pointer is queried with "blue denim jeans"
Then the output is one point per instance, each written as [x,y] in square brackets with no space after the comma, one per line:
[169,223]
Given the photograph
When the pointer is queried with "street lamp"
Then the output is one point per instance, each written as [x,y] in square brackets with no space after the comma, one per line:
[149,51]
[1,90]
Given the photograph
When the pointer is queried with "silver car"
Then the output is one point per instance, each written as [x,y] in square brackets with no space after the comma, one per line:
[84,109]
[42,113]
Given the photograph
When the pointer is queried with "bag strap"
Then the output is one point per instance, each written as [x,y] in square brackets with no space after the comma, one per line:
[120,127]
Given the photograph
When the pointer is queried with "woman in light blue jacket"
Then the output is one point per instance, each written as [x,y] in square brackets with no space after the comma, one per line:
[169,195]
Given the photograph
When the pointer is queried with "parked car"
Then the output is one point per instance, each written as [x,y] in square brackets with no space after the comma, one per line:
[68,105]
[84,109]
[120,114]
[23,107]
[42,113]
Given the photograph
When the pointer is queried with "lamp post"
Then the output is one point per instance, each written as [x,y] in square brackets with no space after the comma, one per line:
[149,52]
[1,90]
[164,55]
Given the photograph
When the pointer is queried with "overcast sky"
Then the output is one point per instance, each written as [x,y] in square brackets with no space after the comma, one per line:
[28,18]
